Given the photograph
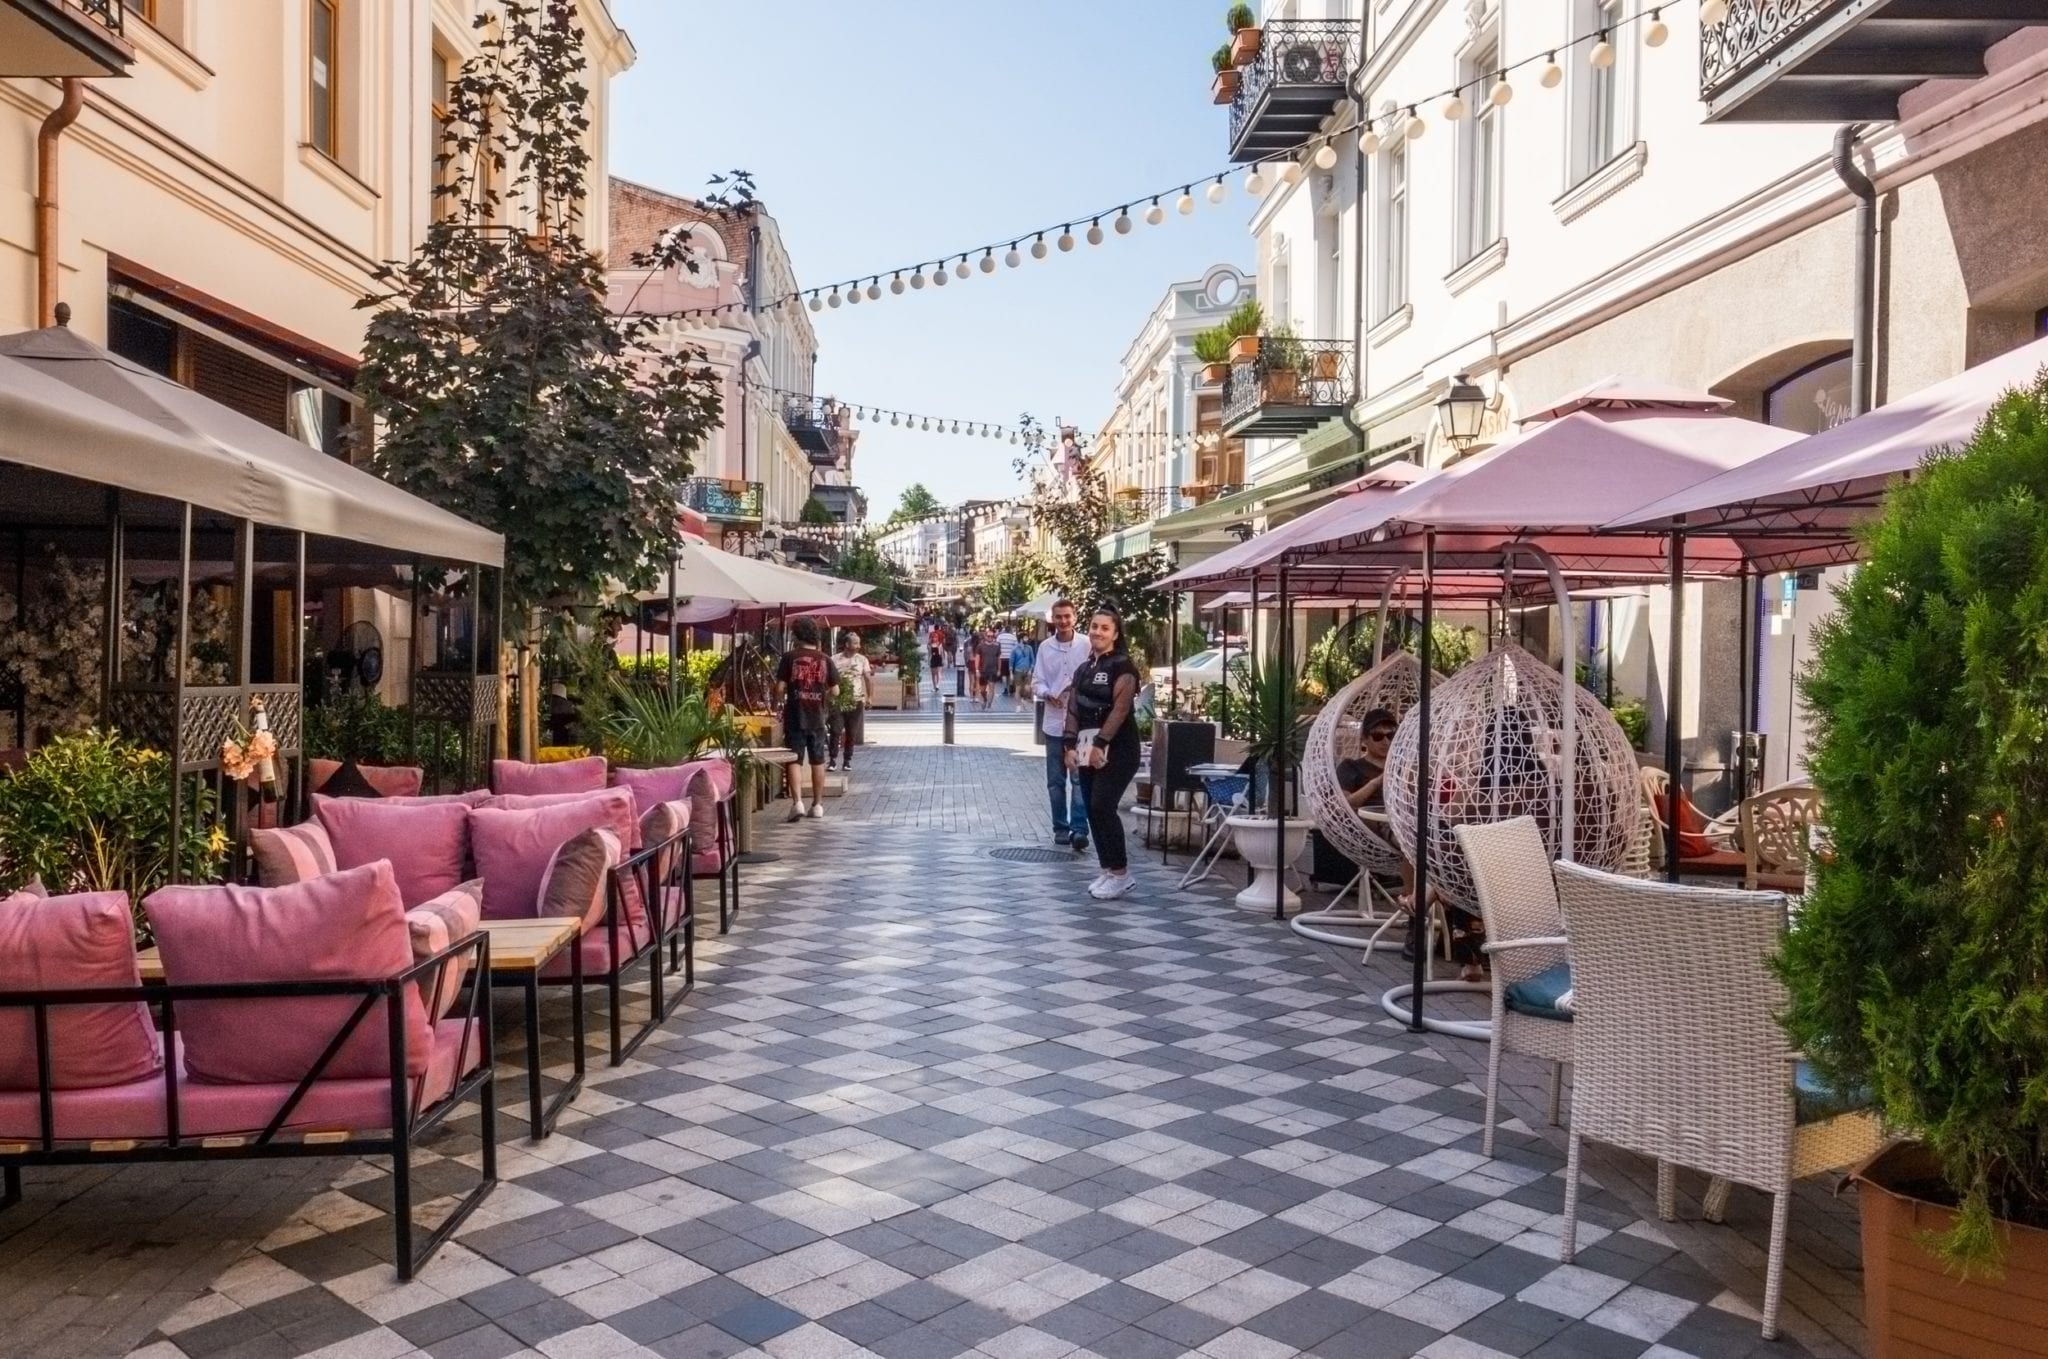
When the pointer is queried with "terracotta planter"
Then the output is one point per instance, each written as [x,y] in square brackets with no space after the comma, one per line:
[1914,1306]
[1225,87]
[1325,365]
[1199,493]
[1244,46]
[1128,493]
[1214,374]
[1244,347]
[1283,385]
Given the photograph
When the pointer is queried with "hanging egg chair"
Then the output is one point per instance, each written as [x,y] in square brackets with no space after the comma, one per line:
[1495,752]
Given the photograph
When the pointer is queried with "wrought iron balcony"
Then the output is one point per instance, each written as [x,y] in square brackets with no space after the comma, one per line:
[64,38]
[1835,61]
[1302,72]
[727,502]
[814,422]
[1289,387]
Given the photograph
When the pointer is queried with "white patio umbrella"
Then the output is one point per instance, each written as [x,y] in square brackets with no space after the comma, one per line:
[705,572]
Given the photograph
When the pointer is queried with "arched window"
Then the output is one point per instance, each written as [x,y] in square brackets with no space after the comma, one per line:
[1813,399]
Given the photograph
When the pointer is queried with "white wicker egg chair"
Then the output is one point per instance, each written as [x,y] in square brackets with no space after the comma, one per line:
[1496,746]
[1393,684]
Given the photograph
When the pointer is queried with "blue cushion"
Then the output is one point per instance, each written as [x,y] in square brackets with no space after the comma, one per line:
[1539,995]
[1814,1100]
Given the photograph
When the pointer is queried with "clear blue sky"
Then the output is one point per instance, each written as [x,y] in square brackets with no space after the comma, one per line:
[883,134]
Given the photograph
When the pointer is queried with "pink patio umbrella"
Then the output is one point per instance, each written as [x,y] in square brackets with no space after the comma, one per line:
[853,614]
[1234,562]
[1801,504]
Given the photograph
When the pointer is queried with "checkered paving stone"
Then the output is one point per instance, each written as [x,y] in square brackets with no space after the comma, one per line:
[924,1104]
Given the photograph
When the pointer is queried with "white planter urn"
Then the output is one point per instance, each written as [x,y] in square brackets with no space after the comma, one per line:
[1259,842]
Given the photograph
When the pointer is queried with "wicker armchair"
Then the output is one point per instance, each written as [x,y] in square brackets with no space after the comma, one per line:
[1712,851]
[1677,1054]
[1775,830]
[1525,938]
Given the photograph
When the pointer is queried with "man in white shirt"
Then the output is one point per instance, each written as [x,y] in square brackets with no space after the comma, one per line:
[849,706]
[1006,647]
[1052,676]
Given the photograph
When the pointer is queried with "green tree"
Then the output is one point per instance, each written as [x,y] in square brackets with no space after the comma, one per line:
[504,388]
[917,503]
[1013,581]
[1918,963]
[861,560]
[1077,512]
[814,512]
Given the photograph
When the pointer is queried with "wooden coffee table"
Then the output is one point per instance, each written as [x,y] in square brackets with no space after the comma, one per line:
[520,951]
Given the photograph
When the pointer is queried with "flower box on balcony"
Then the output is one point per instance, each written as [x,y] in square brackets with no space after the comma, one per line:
[1244,46]
[1283,386]
[1224,90]
[1214,374]
[1325,365]
[1244,347]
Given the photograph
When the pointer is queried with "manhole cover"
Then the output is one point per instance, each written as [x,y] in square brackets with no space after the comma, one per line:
[1025,854]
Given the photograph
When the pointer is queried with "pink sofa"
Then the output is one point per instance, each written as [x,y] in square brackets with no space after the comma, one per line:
[294,1018]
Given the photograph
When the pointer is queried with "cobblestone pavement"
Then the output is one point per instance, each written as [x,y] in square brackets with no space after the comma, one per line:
[924,1102]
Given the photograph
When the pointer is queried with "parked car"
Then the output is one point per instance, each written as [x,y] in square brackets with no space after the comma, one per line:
[1204,667]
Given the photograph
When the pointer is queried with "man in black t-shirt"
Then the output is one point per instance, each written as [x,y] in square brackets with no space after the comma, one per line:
[804,681]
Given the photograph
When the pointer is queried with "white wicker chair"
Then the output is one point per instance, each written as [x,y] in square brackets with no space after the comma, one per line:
[1525,941]
[1676,1050]
[1393,684]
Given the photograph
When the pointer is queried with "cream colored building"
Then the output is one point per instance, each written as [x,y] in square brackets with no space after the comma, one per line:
[1636,220]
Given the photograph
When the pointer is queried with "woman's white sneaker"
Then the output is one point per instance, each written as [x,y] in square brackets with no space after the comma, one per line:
[1111,886]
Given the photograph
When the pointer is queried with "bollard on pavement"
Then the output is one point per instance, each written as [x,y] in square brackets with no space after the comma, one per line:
[960,682]
[949,721]
[1038,725]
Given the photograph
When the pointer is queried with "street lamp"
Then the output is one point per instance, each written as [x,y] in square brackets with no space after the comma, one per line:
[1461,411]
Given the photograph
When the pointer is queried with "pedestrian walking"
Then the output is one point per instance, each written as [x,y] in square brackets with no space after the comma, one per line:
[1020,667]
[1006,646]
[1101,745]
[988,665]
[850,698]
[936,641]
[804,678]
[1058,657]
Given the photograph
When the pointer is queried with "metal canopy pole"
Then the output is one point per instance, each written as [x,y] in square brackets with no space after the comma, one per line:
[1282,747]
[301,803]
[178,690]
[1418,918]
[671,627]
[1568,733]
[1673,693]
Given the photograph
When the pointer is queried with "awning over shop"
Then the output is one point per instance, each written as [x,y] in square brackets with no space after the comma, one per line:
[230,463]
[1126,543]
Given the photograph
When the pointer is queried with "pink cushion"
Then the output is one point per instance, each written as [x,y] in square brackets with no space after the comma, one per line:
[293,853]
[652,787]
[66,943]
[707,863]
[345,926]
[703,795]
[204,1110]
[625,822]
[390,780]
[721,774]
[469,799]
[578,878]
[513,845]
[436,924]
[562,776]
[427,845]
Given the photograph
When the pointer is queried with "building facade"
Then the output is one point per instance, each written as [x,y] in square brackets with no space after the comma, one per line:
[930,551]
[1684,212]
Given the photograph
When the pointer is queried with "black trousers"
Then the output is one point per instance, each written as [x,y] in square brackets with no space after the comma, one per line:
[1102,789]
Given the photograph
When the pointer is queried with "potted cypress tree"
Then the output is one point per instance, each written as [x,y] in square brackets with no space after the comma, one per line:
[1225,87]
[1244,34]
[1918,964]
[1212,349]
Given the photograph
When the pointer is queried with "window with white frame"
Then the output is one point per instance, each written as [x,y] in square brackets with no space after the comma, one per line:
[1393,289]
[1601,106]
[1479,154]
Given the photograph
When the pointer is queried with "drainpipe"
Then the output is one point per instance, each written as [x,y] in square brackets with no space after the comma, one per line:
[61,117]
[1358,252]
[1862,331]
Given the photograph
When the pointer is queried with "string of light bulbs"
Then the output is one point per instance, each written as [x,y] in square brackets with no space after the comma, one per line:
[934,424]
[1404,117]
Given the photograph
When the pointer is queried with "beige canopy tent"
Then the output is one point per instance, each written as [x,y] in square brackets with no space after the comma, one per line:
[209,455]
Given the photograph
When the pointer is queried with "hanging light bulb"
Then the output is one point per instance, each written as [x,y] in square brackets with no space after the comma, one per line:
[816,303]
[988,261]
[1415,126]
[1290,173]
[896,285]
[961,270]
[1713,13]
[1095,233]
[893,420]
[1370,142]
[1255,182]
[1013,259]
[1185,204]
[1602,54]
[1067,240]
[1326,156]
[833,300]
[917,279]
[1038,251]
[1219,190]
[853,296]
[1552,75]
[1454,108]
[939,275]
[1123,222]
[874,290]
[1155,214]
[927,424]
[1502,93]
[1013,436]
[1659,32]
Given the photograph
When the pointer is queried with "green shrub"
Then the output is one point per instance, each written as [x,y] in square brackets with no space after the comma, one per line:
[1220,61]
[1239,16]
[1918,966]
[647,727]
[1634,718]
[1212,345]
[1247,319]
[92,813]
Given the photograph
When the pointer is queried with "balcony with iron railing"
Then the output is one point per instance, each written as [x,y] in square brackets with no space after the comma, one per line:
[1288,387]
[1301,74]
[53,38]
[726,502]
[1836,61]
[815,423]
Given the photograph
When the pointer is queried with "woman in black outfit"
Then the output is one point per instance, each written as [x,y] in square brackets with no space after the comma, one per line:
[1105,688]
